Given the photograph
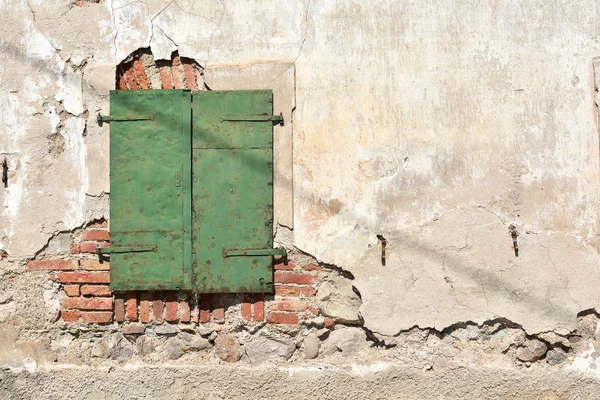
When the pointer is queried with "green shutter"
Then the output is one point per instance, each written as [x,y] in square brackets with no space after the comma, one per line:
[191,191]
[150,190]
[232,140]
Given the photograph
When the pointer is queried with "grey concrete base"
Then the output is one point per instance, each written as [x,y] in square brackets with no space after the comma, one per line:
[378,381]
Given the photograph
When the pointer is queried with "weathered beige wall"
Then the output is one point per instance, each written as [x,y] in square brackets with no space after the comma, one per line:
[436,124]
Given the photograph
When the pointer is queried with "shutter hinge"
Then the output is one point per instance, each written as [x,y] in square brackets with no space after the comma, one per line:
[254,252]
[127,117]
[126,249]
[277,119]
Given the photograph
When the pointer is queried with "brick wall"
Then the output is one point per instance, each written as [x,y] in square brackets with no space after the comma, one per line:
[84,278]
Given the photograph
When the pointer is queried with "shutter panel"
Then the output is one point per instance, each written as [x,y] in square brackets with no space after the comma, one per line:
[232,139]
[150,200]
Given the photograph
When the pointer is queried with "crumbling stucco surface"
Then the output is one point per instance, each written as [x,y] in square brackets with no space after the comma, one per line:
[452,121]
[437,125]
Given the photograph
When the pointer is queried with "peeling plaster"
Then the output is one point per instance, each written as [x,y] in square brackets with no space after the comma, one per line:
[408,122]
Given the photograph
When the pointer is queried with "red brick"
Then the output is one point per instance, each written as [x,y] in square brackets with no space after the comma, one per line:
[86,303]
[293,277]
[313,310]
[90,247]
[145,307]
[84,277]
[259,307]
[176,72]
[130,76]
[312,267]
[204,307]
[132,306]
[285,267]
[96,290]
[119,308]
[157,307]
[97,317]
[95,235]
[94,265]
[307,291]
[138,67]
[184,309]
[52,265]
[289,305]
[218,310]
[282,318]
[287,291]
[71,290]
[122,81]
[165,77]
[171,306]
[87,247]
[70,316]
[329,323]
[190,73]
[247,307]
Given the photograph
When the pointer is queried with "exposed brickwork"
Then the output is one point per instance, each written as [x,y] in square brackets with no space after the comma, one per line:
[131,306]
[95,290]
[294,277]
[165,76]
[157,307]
[119,308]
[171,306]
[140,73]
[94,265]
[70,316]
[312,267]
[285,266]
[184,310]
[259,307]
[290,305]
[177,72]
[71,290]
[97,317]
[54,265]
[100,235]
[85,278]
[204,308]
[282,318]
[218,310]
[145,301]
[87,247]
[84,303]
[247,307]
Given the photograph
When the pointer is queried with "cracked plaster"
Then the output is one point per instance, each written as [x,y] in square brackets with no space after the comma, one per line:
[436,131]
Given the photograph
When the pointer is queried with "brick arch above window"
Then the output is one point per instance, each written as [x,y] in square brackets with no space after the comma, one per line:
[140,71]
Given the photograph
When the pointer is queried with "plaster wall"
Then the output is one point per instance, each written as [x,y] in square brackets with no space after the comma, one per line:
[436,125]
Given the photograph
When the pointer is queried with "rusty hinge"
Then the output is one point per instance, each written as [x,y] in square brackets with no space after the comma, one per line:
[278,119]
[254,252]
[126,249]
[126,117]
